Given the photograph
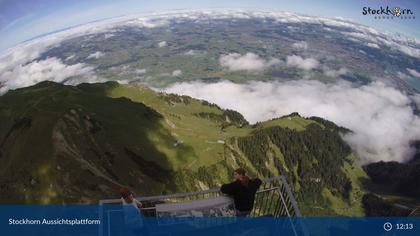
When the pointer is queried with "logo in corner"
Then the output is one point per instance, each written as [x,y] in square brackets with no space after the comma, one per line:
[389,12]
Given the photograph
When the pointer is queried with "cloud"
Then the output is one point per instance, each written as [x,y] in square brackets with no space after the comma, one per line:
[149,21]
[195,53]
[402,75]
[304,64]
[302,45]
[108,35]
[190,53]
[380,117]
[162,44]
[70,57]
[413,72]
[49,69]
[140,71]
[95,55]
[373,45]
[334,73]
[360,35]
[164,18]
[176,73]
[31,50]
[248,62]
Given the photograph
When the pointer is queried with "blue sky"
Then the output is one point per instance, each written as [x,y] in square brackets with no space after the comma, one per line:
[21,20]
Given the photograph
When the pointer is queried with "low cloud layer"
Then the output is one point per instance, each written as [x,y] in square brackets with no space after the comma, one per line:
[177,73]
[373,45]
[248,62]
[162,44]
[94,55]
[302,45]
[414,73]
[302,63]
[334,73]
[195,53]
[49,69]
[381,117]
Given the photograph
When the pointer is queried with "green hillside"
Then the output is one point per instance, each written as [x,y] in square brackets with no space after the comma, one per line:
[81,143]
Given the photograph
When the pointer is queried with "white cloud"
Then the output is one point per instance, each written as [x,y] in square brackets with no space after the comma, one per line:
[162,44]
[34,47]
[195,53]
[150,21]
[108,35]
[49,69]
[304,64]
[416,98]
[362,36]
[95,55]
[28,51]
[402,75]
[191,53]
[381,117]
[373,45]
[123,81]
[334,73]
[140,71]
[176,73]
[70,57]
[413,72]
[302,45]
[247,62]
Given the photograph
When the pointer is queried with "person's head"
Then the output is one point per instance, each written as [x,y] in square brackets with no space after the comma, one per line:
[240,174]
[126,194]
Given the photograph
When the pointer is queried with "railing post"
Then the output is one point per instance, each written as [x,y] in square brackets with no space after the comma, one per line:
[287,211]
[101,213]
[291,198]
[277,210]
[294,204]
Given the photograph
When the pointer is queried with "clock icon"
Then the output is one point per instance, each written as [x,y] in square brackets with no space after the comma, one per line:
[387,226]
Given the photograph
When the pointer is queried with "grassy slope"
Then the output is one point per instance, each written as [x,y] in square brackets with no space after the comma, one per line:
[75,139]
[76,146]
[201,134]
[293,122]
[353,206]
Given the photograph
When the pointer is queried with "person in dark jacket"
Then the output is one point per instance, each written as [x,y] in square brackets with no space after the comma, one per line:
[243,190]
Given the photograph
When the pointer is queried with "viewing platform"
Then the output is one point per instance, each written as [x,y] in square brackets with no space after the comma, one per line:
[273,199]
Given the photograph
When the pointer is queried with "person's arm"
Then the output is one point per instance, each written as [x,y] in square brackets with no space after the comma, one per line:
[228,188]
[138,203]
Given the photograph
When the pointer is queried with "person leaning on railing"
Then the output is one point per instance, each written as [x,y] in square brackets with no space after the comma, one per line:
[127,197]
[133,217]
[243,190]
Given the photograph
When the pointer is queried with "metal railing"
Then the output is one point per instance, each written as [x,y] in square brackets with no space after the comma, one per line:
[274,199]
